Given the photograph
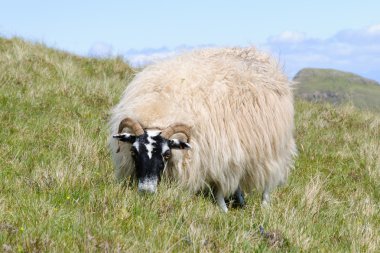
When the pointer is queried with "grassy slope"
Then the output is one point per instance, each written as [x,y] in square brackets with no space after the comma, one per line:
[57,191]
[349,88]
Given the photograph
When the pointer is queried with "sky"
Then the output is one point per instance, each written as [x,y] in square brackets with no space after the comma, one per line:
[327,34]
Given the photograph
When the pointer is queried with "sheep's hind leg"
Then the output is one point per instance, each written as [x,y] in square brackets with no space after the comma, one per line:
[220,201]
[237,199]
[265,198]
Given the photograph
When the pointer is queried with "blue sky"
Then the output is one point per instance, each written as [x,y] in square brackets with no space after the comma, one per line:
[331,34]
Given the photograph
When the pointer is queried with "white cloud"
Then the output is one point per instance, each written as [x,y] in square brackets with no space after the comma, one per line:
[142,58]
[101,50]
[354,50]
[367,35]
[288,37]
[374,30]
[146,56]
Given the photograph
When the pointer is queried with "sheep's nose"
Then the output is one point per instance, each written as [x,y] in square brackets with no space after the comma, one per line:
[147,185]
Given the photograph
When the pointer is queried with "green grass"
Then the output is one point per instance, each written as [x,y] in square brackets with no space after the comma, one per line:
[343,87]
[58,192]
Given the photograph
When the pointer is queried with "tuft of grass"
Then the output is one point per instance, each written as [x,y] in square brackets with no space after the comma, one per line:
[58,193]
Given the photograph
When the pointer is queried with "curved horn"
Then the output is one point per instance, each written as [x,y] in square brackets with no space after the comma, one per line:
[176,128]
[132,124]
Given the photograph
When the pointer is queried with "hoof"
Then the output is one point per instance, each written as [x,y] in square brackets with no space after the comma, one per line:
[265,200]
[237,199]
[220,201]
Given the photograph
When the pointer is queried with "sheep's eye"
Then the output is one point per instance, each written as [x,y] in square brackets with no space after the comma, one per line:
[133,153]
[167,155]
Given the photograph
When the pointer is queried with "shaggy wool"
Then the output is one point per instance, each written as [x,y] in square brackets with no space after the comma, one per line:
[239,105]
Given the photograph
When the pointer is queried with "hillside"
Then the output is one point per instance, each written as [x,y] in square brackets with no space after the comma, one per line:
[337,87]
[58,192]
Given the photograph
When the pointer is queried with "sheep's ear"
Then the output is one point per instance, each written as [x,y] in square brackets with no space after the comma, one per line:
[177,144]
[125,137]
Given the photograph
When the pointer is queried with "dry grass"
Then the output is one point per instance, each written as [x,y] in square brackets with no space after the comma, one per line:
[58,193]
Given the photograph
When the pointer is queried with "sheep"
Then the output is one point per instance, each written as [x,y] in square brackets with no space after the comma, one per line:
[220,118]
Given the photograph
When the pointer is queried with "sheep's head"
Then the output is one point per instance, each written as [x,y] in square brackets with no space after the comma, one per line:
[151,150]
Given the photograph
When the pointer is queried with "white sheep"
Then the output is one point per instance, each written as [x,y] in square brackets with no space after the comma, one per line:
[231,111]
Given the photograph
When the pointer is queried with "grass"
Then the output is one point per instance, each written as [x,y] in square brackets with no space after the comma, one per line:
[341,87]
[58,192]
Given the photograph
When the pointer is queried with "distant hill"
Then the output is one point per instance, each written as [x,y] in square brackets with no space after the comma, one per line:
[337,87]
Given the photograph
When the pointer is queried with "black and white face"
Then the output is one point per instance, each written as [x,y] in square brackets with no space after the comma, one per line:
[150,152]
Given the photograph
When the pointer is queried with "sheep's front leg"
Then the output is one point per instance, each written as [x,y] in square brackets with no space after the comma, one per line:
[220,201]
